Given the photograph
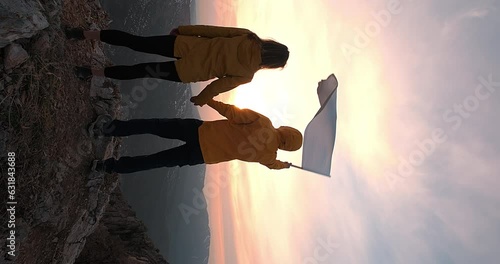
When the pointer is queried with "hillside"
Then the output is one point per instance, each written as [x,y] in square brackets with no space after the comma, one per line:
[58,204]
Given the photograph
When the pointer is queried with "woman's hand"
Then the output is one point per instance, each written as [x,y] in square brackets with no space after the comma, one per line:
[174,32]
[197,101]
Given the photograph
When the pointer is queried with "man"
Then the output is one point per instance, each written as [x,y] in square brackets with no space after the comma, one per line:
[245,135]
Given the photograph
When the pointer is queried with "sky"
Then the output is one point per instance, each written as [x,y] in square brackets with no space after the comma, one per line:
[415,169]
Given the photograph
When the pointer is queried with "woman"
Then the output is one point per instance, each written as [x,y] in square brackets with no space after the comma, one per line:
[232,55]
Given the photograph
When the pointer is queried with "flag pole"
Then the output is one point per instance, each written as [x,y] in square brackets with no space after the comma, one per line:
[298,167]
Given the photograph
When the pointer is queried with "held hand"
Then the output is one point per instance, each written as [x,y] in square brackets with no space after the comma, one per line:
[197,101]
[174,32]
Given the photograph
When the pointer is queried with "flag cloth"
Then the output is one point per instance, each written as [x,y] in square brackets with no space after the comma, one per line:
[319,136]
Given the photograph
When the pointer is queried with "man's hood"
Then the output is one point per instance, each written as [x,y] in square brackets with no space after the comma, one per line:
[290,139]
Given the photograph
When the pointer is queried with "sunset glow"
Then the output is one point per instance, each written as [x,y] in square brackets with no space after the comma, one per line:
[385,108]
[267,210]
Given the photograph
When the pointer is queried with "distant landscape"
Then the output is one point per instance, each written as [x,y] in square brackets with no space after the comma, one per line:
[156,195]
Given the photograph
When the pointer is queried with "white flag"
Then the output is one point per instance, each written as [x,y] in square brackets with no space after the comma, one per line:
[319,136]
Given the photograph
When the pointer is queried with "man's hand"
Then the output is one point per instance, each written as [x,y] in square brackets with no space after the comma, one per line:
[197,101]
[287,165]
[174,32]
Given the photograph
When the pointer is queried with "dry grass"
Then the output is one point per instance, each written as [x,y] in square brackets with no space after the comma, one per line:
[45,109]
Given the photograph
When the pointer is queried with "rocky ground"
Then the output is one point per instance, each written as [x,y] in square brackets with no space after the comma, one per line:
[44,110]
[119,238]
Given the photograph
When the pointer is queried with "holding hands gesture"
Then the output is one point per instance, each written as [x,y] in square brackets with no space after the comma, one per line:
[196,100]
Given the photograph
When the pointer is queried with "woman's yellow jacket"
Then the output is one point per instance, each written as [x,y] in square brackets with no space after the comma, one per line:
[207,52]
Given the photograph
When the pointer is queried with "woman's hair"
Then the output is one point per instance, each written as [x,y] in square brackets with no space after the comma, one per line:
[273,54]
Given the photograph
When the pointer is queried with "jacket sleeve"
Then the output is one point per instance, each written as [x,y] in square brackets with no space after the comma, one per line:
[212,31]
[275,165]
[233,113]
[221,85]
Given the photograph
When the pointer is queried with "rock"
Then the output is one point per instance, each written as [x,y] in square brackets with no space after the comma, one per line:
[98,56]
[10,89]
[105,93]
[101,108]
[76,238]
[23,229]
[87,220]
[94,182]
[108,153]
[123,234]
[45,217]
[3,140]
[20,19]
[15,55]
[56,8]
[59,177]
[42,44]
[98,4]
[48,201]
[42,215]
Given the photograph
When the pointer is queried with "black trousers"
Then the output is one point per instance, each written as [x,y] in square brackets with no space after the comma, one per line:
[173,128]
[160,45]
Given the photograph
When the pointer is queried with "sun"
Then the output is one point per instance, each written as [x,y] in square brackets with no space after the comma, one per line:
[249,96]
[364,111]
[260,95]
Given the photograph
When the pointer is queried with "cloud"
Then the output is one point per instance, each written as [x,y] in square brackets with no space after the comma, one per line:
[476,12]
[394,95]
[453,25]
[447,210]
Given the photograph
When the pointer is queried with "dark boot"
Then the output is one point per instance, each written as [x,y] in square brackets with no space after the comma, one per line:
[83,73]
[97,128]
[74,33]
[101,166]
[98,166]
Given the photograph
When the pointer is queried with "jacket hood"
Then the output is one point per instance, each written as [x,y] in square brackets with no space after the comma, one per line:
[290,139]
